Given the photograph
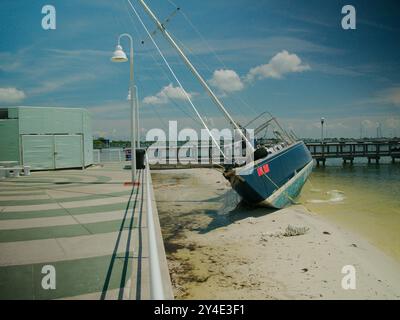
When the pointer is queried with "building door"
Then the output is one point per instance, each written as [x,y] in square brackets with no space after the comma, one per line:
[38,151]
[68,151]
[44,152]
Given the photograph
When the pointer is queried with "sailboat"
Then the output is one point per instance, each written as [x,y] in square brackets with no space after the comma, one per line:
[278,170]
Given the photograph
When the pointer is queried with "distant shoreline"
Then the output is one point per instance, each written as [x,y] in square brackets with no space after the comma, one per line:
[243,255]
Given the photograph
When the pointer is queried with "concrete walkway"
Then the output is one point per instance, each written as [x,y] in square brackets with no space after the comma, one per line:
[87,224]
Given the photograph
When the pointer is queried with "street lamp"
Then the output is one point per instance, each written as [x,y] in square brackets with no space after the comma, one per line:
[120,56]
[322,129]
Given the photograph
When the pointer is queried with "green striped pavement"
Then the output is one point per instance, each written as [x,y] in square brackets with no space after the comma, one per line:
[22,202]
[61,211]
[73,277]
[61,231]
[43,211]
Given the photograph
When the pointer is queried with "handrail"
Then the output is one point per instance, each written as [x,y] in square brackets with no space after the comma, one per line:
[156,286]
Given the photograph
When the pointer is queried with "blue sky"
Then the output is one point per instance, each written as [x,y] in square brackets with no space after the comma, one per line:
[289,57]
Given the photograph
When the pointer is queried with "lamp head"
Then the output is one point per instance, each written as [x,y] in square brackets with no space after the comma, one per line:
[119,55]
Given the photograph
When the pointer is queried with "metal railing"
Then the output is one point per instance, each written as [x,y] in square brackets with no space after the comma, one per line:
[194,154]
[156,283]
[108,155]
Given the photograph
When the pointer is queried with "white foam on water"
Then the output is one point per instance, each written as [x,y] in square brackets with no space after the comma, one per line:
[336,196]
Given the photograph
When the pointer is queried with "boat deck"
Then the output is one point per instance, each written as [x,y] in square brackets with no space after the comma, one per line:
[88,225]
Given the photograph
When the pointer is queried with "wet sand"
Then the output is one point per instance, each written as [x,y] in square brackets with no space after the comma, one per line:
[219,249]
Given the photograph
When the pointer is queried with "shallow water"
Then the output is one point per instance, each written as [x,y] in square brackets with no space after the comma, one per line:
[364,198]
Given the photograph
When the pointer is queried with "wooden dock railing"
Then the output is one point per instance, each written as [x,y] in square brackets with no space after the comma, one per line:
[350,150]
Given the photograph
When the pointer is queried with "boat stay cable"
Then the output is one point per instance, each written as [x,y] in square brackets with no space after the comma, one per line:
[195,73]
[213,51]
[167,75]
[176,79]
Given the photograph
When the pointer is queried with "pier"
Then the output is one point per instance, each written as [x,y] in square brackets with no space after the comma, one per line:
[187,156]
[348,151]
[99,235]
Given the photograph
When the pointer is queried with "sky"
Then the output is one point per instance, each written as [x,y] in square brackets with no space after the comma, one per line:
[291,58]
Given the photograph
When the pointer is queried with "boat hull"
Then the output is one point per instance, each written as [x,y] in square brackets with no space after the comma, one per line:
[290,190]
[275,180]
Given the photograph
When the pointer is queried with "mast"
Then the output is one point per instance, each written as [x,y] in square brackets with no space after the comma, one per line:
[219,104]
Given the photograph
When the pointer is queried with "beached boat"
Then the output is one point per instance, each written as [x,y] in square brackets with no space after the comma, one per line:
[274,180]
[277,171]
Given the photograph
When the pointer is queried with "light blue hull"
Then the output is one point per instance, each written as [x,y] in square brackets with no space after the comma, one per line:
[286,194]
[276,179]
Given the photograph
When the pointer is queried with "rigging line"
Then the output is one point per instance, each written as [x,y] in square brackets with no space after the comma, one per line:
[173,100]
[158,116]
[265,133]
[167,75]
[115,17]
[194,55]
[139,36]
[215,55]
[213,52]
[186,17]
[196,74]
[293,201]
[200,36]
[199,60]
[175,103]
[164,72]
[177,80]
[172,3]
[254,119]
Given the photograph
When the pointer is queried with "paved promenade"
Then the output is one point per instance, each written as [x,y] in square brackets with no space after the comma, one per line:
[87,224]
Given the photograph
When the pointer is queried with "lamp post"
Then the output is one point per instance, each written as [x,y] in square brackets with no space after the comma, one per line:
[120,56]
[137,119]
[322,129]
[136,115]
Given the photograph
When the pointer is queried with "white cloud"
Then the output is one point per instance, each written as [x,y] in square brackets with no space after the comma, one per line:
[388,96]
[167,93]
[84,53]
[11,95]
[10,62]
[283,62]
[366,123]
[60,83]
[280,64]
[391,95]
[392,123]
[226,80]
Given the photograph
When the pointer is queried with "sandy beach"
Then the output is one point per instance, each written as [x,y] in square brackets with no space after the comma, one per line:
[217,249]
